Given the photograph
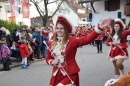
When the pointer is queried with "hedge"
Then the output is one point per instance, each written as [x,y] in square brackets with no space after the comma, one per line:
[10,26]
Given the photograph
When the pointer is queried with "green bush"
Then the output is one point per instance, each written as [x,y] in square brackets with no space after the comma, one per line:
[25,26]
[35,25]
[10,26]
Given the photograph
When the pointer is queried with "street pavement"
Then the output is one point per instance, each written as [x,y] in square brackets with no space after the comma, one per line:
[16,62]
[95,70]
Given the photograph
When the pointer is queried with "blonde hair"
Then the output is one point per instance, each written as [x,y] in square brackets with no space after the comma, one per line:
[3,40]
[65,38]
[6,30]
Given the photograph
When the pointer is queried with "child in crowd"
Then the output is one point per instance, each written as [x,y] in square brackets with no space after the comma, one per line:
[118,52]
[24,51]
[4,54]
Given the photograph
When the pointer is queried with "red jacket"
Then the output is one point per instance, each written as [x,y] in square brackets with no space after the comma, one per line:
[100,37]
[24,51]
[122,42]
[70,52]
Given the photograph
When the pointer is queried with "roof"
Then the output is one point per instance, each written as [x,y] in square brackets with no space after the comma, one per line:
[75,7]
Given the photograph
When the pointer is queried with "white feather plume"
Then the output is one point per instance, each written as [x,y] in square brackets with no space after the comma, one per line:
[119,20]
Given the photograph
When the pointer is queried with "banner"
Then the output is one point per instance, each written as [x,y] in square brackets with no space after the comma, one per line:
[12,19]
[25,8]
[14,8]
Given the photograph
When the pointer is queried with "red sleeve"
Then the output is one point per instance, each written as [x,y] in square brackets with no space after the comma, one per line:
[108,42]
[45,33]
[49,57]
[77,42]
[17,45]
[35,43]
[126,32]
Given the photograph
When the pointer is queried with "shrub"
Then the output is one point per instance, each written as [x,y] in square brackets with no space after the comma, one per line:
[10,26]
[35,25]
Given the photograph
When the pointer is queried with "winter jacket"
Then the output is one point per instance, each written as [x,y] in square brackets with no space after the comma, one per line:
[24,51]
[45,38]
[4,51]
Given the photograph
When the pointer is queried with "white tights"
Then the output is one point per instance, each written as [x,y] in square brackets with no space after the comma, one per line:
[24,61]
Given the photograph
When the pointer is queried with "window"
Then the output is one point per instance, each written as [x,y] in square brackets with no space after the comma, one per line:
[84,19]
[127,9]
[0,8]
[60,11]
[112,5]
[7,8]
[64,11]
[68,11]
[21,23]
[128,2]
[20,10]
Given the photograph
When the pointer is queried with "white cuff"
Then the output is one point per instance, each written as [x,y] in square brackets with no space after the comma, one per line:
[50,62]
[110,43]
[98,30]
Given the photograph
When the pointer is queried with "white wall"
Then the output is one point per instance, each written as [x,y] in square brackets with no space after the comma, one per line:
[4,15]
[99,7]
[72,17]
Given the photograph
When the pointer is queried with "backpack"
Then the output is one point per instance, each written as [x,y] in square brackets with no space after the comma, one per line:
[4,53]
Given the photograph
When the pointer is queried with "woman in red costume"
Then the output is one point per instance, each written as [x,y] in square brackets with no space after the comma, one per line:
[62,51]
[118,52]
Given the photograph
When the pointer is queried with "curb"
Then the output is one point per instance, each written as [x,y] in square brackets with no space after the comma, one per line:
[19,63]
[31,62]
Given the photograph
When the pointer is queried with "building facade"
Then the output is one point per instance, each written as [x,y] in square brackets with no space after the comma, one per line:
[73,12]
[5,13]
[109,9]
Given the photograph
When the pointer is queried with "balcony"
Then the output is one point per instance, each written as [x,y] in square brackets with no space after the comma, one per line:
[89,1]
[4,0]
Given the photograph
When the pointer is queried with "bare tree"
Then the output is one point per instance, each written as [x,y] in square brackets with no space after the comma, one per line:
[43,12]
[87,7]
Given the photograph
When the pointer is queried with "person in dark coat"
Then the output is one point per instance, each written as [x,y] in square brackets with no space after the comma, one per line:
[44,47]
[7,35]
[39,44]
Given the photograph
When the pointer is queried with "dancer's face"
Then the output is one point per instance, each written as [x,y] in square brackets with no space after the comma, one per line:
[116,27]
[60,30]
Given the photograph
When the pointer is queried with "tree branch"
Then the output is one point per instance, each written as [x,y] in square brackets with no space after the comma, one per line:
[54,1]
[38,10]
[85,8]
[57,8]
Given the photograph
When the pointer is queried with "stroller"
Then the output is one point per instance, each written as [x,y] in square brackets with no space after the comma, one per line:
[15,52]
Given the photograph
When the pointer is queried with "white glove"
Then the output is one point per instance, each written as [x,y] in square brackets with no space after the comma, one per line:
[110,82]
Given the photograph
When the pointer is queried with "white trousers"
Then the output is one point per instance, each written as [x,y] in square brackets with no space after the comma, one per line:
[24,61]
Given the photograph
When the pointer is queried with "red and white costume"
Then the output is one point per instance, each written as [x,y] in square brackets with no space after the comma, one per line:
[67,60]
[115,51]
[118,51]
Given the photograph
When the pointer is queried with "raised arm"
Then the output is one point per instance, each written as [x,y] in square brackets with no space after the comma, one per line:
[92,36]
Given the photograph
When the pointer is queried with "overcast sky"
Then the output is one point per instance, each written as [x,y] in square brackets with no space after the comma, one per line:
[34,13]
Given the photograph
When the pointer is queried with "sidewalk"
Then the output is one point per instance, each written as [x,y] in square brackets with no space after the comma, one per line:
[16,63]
